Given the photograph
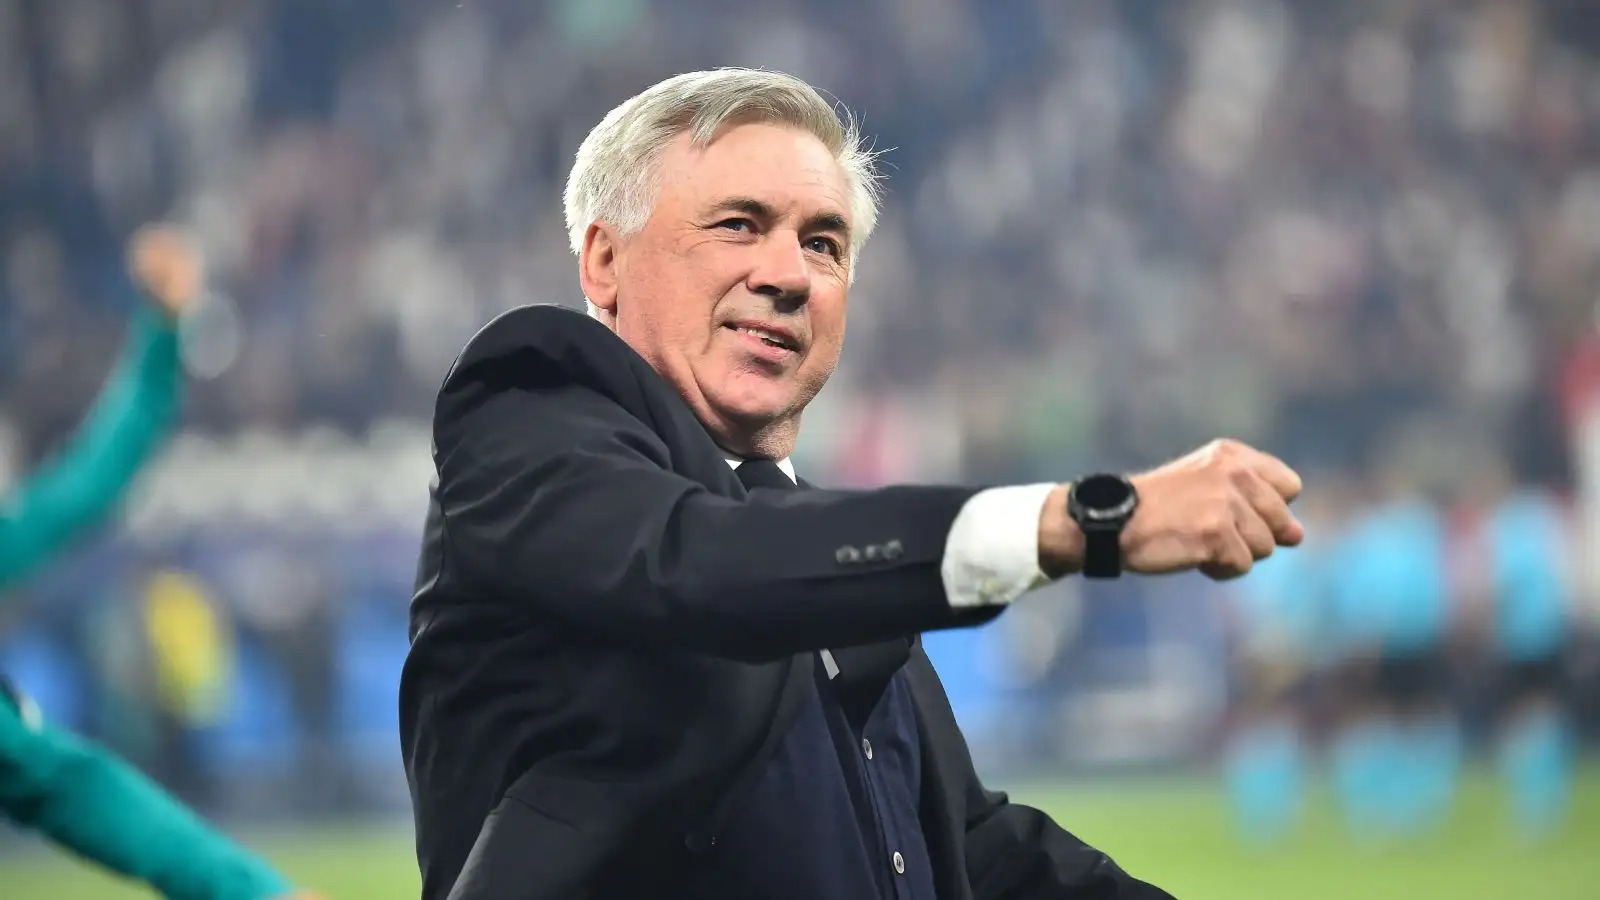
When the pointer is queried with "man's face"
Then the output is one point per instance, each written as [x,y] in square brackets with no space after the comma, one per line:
[735,289]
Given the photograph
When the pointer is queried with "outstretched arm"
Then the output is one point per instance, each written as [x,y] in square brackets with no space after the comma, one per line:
[101,808]
[554,497]
[78,488]
[133,415]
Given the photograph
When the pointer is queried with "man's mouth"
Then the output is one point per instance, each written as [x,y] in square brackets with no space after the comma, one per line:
[772,337]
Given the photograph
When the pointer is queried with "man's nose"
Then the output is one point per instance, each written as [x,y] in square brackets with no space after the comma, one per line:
[781,271]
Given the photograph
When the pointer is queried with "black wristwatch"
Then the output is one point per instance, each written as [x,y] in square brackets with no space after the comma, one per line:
[1102,505]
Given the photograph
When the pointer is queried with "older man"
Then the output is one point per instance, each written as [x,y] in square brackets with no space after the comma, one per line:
[646,660]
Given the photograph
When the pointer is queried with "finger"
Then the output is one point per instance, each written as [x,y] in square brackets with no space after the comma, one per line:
[1254,531]
[1231,556]
[1277,473]
[1293,534]
[1218,572]
[1264,500]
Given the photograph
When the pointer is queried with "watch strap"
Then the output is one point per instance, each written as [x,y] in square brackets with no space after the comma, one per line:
[1102,553]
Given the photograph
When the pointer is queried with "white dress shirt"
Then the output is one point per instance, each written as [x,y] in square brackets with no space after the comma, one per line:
[991,556]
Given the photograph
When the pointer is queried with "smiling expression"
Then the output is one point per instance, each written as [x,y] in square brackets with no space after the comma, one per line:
[735,289]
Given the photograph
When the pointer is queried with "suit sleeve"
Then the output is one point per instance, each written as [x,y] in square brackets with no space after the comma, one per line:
[79,488]
[556,498]
[1016,852]
[101,808]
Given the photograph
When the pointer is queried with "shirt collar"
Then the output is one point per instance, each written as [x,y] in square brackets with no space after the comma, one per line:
[784,464]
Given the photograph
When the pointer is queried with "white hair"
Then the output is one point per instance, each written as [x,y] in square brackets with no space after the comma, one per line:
[614,178]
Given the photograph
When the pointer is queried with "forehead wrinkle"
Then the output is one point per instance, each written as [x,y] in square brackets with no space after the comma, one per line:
[796,180]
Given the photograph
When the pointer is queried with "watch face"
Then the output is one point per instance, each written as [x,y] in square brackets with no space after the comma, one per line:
[1104,496]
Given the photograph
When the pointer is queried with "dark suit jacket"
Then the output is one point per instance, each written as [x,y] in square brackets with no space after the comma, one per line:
[609,630]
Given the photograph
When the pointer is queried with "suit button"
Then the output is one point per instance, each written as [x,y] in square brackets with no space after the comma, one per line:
[866,747]
[899,863]
[892,550]
[846,555]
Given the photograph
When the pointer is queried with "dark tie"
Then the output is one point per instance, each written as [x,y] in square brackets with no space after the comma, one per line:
[864,671]
[765,473]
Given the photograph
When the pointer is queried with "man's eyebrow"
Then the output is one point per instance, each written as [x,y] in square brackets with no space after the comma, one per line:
[747,205]
[757,209]
[829,221]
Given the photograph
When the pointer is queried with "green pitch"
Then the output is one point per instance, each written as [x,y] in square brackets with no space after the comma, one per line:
[1175,833]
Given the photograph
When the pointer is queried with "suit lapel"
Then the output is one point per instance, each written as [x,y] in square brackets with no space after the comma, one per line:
[796,681]
[864,674]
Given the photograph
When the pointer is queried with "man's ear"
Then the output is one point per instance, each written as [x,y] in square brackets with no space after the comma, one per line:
[597,270]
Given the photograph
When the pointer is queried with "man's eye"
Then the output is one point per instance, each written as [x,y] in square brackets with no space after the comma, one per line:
[736,225]
[825,245]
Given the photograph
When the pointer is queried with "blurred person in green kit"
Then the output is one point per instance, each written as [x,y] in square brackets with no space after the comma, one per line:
[77,794]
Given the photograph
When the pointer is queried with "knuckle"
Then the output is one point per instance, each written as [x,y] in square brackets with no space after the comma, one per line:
[1229,500]
[1215,523]
[1230,467]
[1240,473]
[1242,517]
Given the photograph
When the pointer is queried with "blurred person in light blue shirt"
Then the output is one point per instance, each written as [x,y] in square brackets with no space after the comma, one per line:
[1390,592]
[1278,632]
[1525,539]
[1264,757]
[1398,748]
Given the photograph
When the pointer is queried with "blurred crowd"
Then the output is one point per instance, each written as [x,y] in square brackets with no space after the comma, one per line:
[1113,228]
[1363,235]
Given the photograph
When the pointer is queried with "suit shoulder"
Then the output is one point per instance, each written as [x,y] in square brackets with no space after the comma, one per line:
[544,329]
[558,352]
[543,338]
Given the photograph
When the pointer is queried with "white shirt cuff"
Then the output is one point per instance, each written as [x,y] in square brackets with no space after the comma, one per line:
[991,556]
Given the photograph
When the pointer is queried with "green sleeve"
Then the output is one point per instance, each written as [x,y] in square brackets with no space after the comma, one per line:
[94,804]
[77,489]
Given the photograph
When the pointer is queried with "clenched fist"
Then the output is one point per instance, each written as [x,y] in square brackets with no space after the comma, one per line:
[166,267]
[1219,510]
